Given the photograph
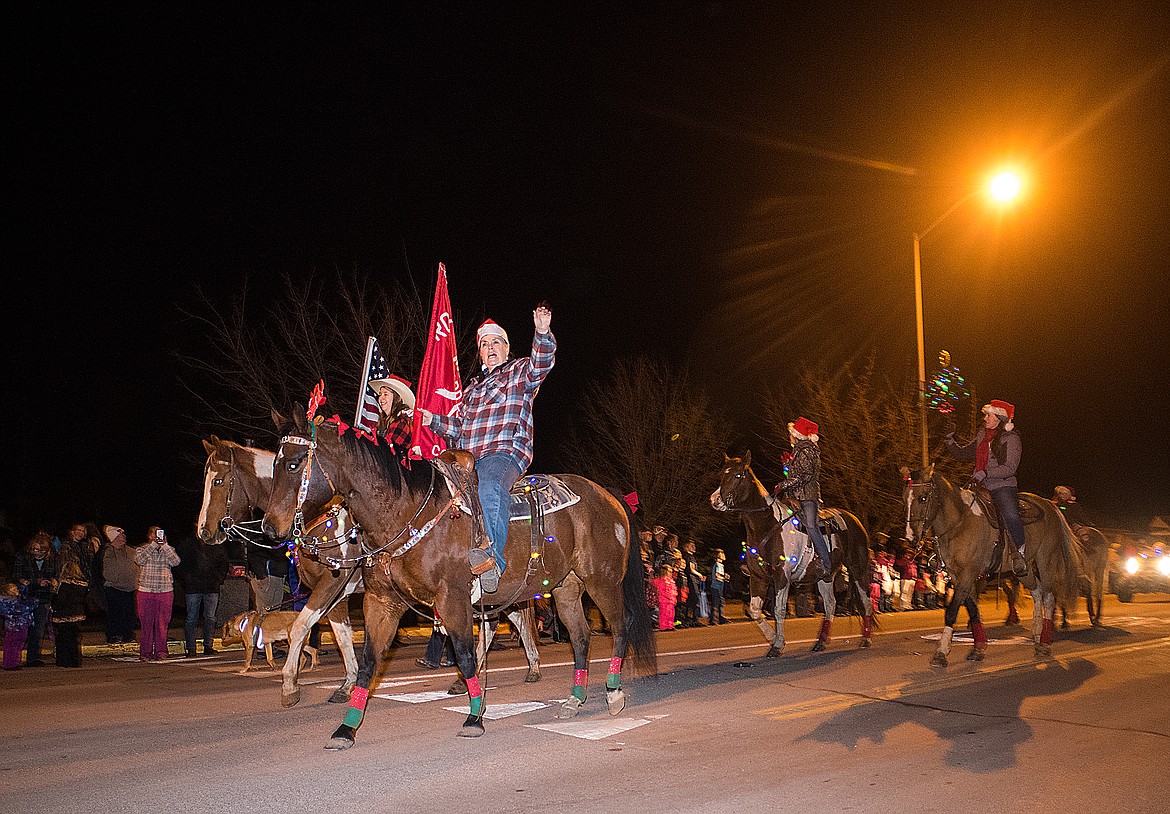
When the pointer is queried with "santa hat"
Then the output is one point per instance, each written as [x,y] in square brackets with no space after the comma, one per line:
[490,328]
[112,532]
[802,428]
[1005,411]
[397,384]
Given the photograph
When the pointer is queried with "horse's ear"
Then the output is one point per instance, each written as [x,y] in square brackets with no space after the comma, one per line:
[209,446]
[929,473]
[278,419]
[747,458]
[726,458]
[299,418]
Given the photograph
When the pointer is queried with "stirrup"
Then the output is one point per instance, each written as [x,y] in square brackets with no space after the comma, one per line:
[483,565]
[1019,564]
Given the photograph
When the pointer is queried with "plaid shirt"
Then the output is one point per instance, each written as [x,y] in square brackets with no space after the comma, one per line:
[398,436]
[154,568]
[496,413]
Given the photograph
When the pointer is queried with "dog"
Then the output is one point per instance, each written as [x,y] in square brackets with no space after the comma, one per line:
[274,626]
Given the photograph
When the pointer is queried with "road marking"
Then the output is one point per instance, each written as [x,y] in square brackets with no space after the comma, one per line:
[968,638]
[495,712]
[592,730]
[419,697]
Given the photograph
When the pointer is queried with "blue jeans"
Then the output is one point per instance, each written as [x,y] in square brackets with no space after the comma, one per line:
[497,472]
[812,527]
[207,603]
[36,634]
[1007,503]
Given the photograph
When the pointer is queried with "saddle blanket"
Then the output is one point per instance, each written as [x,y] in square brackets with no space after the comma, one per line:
[552,495]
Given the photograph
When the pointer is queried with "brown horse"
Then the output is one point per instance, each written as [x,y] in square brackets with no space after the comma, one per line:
[778,556]
[965,542]
[329,558]
[1094,555]
[420,545]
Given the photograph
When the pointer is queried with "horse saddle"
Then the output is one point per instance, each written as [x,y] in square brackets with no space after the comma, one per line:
[542,494]
[982,503]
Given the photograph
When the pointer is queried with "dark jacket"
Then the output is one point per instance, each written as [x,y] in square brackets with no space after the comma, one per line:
[804,473]
[265,562]
[202,568]
[28,570]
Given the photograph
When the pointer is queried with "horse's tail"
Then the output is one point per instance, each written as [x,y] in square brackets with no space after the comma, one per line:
[857,563]
[1071,561]
[637,624]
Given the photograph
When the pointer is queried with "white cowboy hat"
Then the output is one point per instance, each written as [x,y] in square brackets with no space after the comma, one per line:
[398,385]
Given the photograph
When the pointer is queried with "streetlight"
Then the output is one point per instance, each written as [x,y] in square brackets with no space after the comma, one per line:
[1005,186]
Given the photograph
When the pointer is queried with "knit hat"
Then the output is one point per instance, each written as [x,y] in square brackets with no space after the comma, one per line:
[397,384]
[112,532]
[802,428]
[1004,410]
[490,328]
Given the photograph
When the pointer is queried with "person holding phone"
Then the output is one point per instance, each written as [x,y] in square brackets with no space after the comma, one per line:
[156,593]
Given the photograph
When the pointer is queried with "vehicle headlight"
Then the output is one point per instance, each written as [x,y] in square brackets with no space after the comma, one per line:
[1132,565]
[1164,565]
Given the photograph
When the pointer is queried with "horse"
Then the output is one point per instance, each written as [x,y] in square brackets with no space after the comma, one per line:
[965,543]
[1094,555]
[779,555]
[329,558]
[410,514]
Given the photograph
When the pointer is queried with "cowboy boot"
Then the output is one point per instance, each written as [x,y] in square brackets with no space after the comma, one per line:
[1019,564]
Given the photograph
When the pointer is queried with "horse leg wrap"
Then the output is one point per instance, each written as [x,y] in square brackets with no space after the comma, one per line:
[866,627]
[944,641]
[980,635]
[475,694]
[580,682]
[823,637]
[357,706]
[614,679]
[1046,632]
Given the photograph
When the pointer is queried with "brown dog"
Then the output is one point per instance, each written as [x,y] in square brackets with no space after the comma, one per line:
[275,626]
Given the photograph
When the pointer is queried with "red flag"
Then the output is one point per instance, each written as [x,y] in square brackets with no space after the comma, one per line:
[440,389]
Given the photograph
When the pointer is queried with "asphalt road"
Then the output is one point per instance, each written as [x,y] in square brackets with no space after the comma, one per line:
[720,729]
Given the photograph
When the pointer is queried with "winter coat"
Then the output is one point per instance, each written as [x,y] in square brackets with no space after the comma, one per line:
[804,471]
[203,568]
[1002,462]
[69,601]
[119,570]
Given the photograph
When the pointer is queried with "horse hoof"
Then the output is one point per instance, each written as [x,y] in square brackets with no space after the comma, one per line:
[337,744]
[938,660]
[570,708]
[1012,620]
[866,642]
[1043,651]
[1096,623]
[531,677]
[773,653]
[472,727]
[818,646]
[290,699]
[458,687]
[1064,625]
[615,700]
[340,696]
[976,655]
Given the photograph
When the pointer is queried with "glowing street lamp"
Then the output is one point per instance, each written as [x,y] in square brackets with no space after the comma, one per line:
[1004,187]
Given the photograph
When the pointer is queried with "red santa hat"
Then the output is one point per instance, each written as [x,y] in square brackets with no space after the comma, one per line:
[1005,411]
[490,328]
[802,428]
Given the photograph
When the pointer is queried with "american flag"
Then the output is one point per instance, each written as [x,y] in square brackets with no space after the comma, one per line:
[367,412]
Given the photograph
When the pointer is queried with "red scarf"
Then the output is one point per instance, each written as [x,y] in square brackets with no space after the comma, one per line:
[983,451]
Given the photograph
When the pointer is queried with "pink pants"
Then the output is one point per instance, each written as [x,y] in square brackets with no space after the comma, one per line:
[154,615]
[13,643]
[666,615]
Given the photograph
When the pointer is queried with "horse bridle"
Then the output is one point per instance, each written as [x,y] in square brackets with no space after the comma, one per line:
[246,531]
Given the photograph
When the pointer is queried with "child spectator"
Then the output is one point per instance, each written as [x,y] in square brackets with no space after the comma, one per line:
[17,611]
[719,578]
[667,589]
[68,613]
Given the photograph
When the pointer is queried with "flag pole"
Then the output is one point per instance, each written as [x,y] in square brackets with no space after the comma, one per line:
[361,399]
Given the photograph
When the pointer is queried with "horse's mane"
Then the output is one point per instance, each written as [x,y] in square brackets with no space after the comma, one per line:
[382,459]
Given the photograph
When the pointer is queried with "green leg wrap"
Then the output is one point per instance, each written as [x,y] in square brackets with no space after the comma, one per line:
[613,681]
[353,717]
[579,692]
[477,705]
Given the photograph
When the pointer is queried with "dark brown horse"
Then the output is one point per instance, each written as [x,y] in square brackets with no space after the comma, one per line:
[329,558]
[965,541]
[778,556]
[1094,555]
[420,545]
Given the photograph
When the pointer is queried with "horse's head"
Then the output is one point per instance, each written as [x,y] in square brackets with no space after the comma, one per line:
[922,501]
[738,489]
[302,480]
[235,478]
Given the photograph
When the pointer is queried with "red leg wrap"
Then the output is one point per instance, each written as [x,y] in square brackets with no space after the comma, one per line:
[473,689]
[824,635]
[980,634]
[581,678]
[359,697]
[1046,632]
[866,627]
[615,665]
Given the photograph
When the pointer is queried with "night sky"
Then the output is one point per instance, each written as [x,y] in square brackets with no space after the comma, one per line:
[731,186]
